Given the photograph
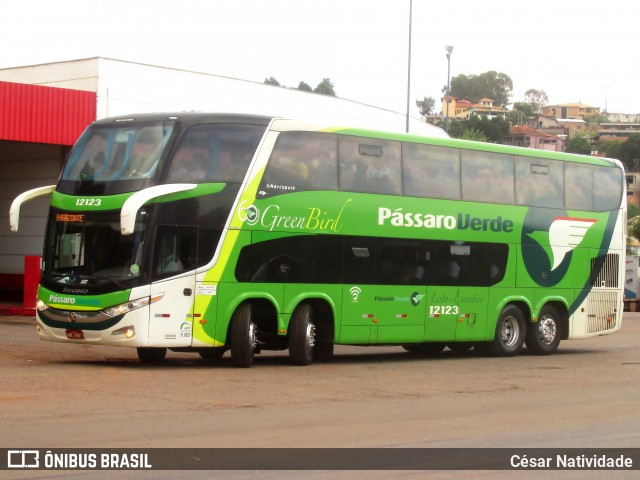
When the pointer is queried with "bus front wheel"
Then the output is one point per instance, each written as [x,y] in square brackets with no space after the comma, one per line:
[543,336]
[243,337]
[151,355]
[509,336]
[302,335]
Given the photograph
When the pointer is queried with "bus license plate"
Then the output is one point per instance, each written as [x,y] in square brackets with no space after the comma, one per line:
[75,334]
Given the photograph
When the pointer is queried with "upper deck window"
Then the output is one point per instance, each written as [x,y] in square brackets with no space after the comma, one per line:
[302,161]
[125,152]
[214,153]
[370,165]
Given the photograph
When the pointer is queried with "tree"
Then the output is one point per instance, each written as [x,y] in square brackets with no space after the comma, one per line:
[520,113]
[493,130]
[493,85]
[578,144]
[611,148]
[426,106]
[304,86]
[633,221]
[537,99]
[596,118]
[629,153]
[474,134]
[325,87]
[272,81]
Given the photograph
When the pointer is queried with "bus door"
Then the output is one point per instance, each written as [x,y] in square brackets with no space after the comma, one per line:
[442,308]
[484,265]
[358,323]
[471,299]
[174,262]
[401,270]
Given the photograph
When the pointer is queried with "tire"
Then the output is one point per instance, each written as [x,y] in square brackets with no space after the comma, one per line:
[510,334]
[151,354]
[302,335]
[543,336]
[243,337]
[428,348]
[214,353]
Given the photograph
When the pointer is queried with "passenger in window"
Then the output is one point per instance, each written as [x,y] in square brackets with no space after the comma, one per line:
[92,166]
[198,172]
[290,172]
[179,170]
[379,179]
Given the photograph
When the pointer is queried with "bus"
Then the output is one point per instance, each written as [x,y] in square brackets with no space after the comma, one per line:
[196,232]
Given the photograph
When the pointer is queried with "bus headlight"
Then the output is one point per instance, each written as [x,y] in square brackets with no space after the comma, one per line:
[128,332]
[132,305]
[41,306]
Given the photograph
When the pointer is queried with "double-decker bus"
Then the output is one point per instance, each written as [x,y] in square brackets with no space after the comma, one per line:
[212,232]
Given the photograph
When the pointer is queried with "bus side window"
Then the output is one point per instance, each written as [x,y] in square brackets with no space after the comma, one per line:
[539,182]
[359,260]
[369,165]
[402,262]
[302,161]
[487,177]
[446,269]
[607,191]
[175,250]
[579,186]
[430,171]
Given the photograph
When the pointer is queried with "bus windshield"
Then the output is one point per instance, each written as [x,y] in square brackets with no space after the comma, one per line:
[118,153]
[87,249]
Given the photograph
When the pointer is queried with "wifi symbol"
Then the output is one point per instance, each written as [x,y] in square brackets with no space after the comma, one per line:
[355,292]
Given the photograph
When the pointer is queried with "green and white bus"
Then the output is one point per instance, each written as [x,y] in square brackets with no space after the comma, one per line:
[211,232]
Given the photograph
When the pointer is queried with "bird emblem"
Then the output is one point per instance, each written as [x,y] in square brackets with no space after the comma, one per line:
[565,234]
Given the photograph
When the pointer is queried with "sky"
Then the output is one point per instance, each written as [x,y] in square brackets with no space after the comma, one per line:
[574,50]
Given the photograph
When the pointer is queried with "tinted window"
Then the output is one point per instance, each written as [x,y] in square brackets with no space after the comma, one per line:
[539,182]
[487,177]
[607,188]
[431,171]
[359,260]
[214,153]
[296,259]
[123,153]
[369,165]
[403,262]
[175,250]
[302,161]
[469,264]
[579,186]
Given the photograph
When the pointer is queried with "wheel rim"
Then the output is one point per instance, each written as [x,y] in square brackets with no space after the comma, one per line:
[510,331]
[310,335]
[547,329]
[251,336]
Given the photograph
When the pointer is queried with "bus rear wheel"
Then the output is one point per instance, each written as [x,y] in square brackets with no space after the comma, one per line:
[302,335]
[243,337]
[151,354]
[543,336]
[509,336]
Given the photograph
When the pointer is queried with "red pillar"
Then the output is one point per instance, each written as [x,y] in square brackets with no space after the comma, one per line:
[32,274]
